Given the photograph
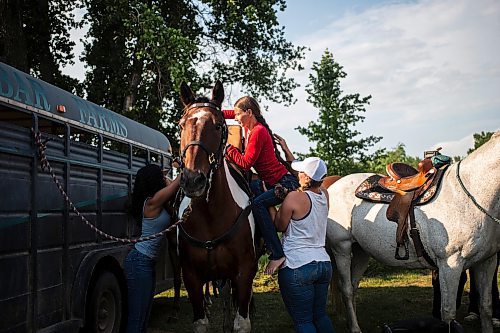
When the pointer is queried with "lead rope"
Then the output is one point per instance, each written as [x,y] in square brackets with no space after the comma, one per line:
[45,165]
[471,197]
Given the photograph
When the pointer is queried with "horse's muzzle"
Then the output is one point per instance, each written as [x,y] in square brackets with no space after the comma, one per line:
[193,183]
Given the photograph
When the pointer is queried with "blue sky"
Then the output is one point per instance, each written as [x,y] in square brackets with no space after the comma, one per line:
[431,66]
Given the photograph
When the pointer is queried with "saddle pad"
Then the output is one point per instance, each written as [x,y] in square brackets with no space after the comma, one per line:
[370,190]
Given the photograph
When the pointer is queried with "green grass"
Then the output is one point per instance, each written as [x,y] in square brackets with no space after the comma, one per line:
[385,295]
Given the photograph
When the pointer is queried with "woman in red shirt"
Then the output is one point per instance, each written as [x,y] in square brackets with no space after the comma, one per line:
[261,154]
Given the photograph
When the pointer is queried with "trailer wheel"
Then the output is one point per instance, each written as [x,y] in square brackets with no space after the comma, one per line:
[105,302]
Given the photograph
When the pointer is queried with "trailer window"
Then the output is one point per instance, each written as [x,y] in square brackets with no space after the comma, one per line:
[81,136]
[15,117]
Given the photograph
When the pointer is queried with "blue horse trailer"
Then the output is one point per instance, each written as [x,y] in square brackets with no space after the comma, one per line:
[56,273]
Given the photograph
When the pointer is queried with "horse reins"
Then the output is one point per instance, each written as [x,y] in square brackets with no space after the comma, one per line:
[471,197]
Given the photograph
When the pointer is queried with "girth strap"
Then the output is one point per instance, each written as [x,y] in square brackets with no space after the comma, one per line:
[417,242]
[211,244]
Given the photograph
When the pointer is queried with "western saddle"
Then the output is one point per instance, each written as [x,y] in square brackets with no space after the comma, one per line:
[408,185]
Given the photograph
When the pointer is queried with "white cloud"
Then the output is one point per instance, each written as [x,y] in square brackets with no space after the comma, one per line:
[432,68]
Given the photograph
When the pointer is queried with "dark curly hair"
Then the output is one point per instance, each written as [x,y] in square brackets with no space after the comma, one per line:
[148,181]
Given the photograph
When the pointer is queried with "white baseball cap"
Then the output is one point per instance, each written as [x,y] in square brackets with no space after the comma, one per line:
[314,167]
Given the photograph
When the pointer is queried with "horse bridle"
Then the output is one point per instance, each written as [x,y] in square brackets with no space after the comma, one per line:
[215,159]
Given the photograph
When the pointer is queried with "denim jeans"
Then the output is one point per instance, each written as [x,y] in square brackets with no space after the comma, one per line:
[263,200]
[304,291]
[141,280]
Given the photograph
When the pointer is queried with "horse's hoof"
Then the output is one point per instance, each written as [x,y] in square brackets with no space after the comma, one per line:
[241,325]
[201,326]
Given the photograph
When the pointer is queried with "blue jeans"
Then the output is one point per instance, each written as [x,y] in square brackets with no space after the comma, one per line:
[260,203]
[304,291]
[141,280]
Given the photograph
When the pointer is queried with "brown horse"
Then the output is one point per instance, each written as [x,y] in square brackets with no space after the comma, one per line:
[216,238]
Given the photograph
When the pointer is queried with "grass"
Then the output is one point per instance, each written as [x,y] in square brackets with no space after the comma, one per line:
[385,295]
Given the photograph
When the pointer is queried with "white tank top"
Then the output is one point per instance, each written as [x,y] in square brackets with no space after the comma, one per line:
[304,239]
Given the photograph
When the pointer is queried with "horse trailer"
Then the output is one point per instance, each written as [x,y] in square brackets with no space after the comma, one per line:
[56,273]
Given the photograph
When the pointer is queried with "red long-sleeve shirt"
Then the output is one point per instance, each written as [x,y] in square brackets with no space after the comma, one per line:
[259,153]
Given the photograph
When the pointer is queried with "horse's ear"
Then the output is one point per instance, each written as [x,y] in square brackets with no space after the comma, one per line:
[187,95]
[218,93]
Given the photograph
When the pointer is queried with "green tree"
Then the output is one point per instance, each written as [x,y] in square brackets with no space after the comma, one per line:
[336,139]
[139,51]
[379,160]
[479,140]
[34,37]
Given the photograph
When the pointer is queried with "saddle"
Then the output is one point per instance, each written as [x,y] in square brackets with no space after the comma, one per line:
[404,178]
[404,188]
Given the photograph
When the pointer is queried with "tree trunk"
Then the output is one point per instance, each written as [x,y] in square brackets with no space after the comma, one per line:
[12,40]
[135,79]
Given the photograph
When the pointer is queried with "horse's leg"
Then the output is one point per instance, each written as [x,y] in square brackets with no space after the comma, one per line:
[176,266]
[449,277]
[359,264]
[483,275]
[342,254]
[436,299]
[208,299]
[225,295]
[243,291]
[194,287]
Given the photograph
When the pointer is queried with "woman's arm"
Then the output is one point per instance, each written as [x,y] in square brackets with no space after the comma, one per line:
[254,147]
[288,153]
[155,204]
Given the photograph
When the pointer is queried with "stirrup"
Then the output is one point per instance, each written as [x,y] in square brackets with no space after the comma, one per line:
[407,252]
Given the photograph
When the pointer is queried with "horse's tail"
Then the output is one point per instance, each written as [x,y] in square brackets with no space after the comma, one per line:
[335,293]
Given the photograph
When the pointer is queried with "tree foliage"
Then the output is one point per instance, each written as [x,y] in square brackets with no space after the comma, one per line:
[34,37]
[381,158]
[479,140]
[139,51]
[336,139]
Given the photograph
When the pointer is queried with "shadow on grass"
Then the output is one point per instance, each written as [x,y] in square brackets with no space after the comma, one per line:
[376,306]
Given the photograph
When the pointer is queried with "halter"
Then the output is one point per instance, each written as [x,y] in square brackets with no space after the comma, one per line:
[215,159]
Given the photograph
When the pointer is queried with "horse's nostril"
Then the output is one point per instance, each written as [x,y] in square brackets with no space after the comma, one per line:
[193,180]
[199,180]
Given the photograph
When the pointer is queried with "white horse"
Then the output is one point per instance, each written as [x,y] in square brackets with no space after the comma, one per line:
[459,230]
